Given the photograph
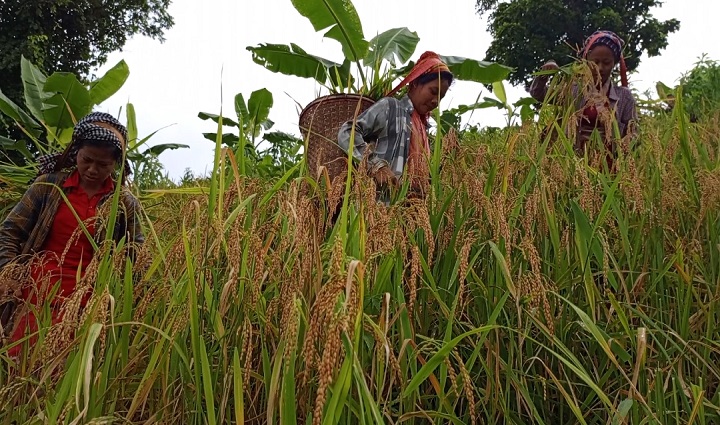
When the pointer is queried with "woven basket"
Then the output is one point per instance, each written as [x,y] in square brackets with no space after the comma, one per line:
[320,122]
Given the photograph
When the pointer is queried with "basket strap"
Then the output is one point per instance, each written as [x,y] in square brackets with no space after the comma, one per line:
[392,133]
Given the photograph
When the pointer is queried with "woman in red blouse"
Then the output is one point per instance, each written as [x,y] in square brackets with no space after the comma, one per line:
[43,234]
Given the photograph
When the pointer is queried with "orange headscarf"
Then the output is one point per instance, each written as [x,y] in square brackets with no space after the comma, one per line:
[428,62]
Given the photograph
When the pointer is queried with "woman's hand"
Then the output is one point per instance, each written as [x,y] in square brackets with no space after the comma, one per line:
[8,290]
[385,177]
[550,66]
[538,89]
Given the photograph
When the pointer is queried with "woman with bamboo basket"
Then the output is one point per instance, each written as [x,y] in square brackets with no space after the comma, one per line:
[393,133]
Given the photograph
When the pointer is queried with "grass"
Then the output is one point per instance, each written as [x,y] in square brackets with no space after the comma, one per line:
[531,287]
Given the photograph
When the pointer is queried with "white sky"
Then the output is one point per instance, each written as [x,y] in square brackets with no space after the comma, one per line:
[171,82]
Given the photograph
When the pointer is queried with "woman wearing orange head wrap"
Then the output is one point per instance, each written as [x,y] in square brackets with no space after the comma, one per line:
[399,126]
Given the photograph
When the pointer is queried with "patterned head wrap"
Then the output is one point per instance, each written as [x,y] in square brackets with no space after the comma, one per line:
[428,62]
[610,40]
[97,128]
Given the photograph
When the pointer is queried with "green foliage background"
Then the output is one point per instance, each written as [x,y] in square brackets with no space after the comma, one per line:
[526,33]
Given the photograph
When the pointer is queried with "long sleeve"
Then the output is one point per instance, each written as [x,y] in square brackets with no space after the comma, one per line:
[368,126]
[129,226]
[18,225]
[626,111]
[134,228]
[538,88]
[630,116]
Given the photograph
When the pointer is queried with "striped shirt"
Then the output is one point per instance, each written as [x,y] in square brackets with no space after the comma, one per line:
[386,126]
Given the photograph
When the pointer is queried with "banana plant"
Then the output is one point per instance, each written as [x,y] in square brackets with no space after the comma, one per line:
[376,63]
[259,152]
[451,118]
[53,104]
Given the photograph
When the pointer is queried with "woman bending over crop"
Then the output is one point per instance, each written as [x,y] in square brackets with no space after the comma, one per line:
[603,50]
[42,232]
[397,128]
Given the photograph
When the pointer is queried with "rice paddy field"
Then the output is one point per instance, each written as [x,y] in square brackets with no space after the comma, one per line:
[532,286]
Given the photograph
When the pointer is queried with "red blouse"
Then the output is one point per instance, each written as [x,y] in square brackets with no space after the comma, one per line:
[590,113]
[53,268]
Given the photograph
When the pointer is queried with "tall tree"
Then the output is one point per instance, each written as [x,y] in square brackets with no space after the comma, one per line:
[527,33]
[71,35]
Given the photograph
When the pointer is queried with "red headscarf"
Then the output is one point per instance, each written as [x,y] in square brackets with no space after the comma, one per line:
[428,62]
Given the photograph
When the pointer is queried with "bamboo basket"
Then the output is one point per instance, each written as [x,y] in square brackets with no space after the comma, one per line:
[320,122]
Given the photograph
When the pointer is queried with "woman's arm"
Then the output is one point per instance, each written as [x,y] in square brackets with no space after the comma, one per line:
[368,125]
[538,88]
[627,113]
[16,228]
[132,230]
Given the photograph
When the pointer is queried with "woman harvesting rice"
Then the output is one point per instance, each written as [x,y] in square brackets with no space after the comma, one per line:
[603,50]
[42,232]
[399,127]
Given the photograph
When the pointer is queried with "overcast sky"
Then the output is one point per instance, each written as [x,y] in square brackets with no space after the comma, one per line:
[206,49]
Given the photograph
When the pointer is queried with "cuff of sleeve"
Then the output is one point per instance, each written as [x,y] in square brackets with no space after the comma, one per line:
[539,82]
[377,164]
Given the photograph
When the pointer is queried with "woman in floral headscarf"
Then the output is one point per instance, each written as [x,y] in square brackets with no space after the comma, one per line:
[603,50]
[42,232]
[399,127]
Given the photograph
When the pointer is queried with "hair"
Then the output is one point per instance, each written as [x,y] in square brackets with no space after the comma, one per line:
[69,157]
[117,153]
[432,76]
[105,144]
[92,131]
[616,58]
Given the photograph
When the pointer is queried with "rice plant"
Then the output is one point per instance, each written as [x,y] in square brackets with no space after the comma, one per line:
[531,286]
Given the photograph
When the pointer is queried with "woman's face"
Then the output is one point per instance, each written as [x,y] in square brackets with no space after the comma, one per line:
[95,164]
[426,97]
[604,58]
